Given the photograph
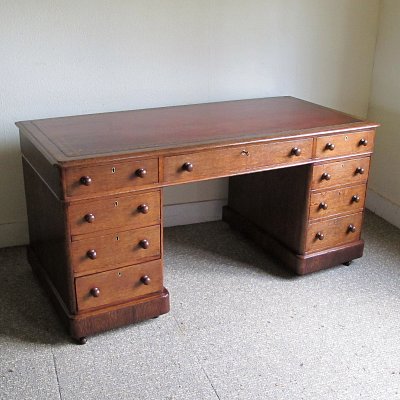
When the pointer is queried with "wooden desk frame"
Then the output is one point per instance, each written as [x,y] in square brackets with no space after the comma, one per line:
[298,177]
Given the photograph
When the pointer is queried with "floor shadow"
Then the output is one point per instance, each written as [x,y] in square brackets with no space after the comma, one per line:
[217,238]
[25,311]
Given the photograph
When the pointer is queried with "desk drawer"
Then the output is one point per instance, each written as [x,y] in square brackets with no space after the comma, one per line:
[117,249]
[333,232]
[332,202]
[119,285]
[346,144]
[93,179]
[231,160]
[133,211]
[332,174]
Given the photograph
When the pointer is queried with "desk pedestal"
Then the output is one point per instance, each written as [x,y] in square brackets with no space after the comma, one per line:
[276,210]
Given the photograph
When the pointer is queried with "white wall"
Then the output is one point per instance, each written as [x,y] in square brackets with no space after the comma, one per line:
[384,186]
[72,57]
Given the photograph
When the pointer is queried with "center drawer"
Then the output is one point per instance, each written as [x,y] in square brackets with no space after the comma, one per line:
[115,250]
[119,285]
[133,211]
[233,160]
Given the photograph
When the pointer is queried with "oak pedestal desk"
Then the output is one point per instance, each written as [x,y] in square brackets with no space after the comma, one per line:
[298,174]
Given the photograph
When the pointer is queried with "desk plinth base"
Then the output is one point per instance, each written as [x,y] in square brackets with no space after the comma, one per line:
[298,263]
[91,322]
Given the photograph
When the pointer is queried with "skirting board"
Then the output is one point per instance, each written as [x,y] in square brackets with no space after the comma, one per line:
[383,207]
[193,213]
[14,234]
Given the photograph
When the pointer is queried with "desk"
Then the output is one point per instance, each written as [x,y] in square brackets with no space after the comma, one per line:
[94,188]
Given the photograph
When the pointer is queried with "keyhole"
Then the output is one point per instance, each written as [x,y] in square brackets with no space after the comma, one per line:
[119,274]
[117,238]
[346,138]
[113,170]
[115,203]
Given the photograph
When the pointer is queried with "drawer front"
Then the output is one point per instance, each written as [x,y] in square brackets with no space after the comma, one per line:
[340,173]
[118,285]
[117,249]
[333,232]
[228,161]
[345,144]
[133,211]
[332,202]
[125,175]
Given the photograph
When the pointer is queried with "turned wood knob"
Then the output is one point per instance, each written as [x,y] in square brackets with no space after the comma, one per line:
[144,244]
[320,236]
[145,280]
[92,254]
[95,292]
[326,176]
[296,151]
[360,170]
[188,166]
[355,198]
[323,206]
[352,228]
[330,146]
[143,208]
[141,172]
[90,218]
[86,180]
[363,142]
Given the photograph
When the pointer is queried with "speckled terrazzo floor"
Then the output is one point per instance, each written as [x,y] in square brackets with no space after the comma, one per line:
[240,327]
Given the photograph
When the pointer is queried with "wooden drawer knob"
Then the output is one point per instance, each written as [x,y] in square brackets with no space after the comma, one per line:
[145,280]
[360,170]
[188,166]
[330,146]
[144,244]
[95,292]
[296,151]
[323,206]
[141,172]
[355,198]
[325,176]
[363,142]
[320,236]
[92,254]
[143,208]
[90,218]
[351,228]
[86,180]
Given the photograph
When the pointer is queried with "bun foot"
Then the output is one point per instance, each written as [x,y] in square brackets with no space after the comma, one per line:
[82,340]
[347,263]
